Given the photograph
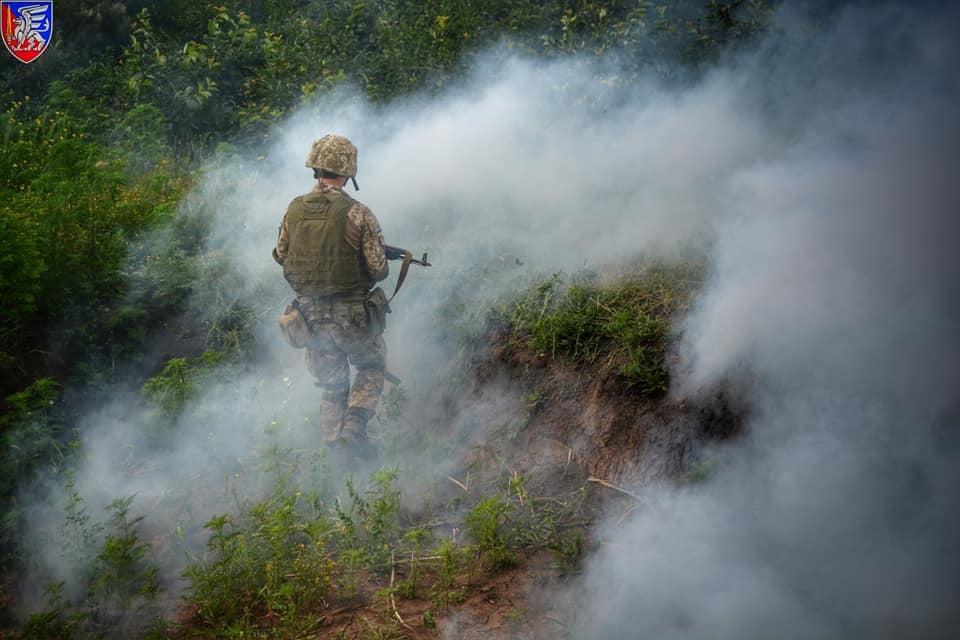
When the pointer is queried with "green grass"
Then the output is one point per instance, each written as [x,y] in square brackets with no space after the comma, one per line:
[626,322]
[271,569]
[274,565]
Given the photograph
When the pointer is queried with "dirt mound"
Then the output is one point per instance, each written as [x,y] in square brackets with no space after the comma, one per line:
[588,416]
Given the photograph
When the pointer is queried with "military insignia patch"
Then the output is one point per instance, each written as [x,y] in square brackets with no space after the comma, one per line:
[26,27]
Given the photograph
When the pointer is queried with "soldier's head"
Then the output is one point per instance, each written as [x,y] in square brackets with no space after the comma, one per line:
[333,158]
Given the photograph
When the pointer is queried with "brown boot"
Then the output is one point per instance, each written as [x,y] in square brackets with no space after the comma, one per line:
[354,432]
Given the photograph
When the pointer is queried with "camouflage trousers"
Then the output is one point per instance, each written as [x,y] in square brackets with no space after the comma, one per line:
[341,338]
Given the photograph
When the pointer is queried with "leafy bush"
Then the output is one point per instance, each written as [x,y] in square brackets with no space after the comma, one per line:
[237,66]
[118,579]
[486,526]
[124,580]
[370,523]
[68,212]
[271,561]
[30,432]
[279,558]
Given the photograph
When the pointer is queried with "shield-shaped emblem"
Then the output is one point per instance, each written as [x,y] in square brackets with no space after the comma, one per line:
[26,27]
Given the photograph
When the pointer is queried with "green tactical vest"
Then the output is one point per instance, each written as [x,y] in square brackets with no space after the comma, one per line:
[319,260]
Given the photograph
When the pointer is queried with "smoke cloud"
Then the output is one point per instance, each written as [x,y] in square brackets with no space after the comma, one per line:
[817,175]
[834,302]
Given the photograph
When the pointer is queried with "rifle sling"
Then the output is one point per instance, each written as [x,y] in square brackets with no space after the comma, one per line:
[407,259]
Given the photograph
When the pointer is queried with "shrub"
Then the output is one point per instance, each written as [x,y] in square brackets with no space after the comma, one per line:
[486,526]
[269,561]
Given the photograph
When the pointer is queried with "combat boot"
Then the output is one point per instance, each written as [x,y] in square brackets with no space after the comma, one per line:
[333,404]
[354,433]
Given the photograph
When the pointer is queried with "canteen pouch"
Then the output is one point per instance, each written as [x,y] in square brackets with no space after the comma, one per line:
[294,327]
[376,306]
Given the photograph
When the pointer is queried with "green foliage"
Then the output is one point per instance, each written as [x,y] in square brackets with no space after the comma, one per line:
[30,434]
[414,542]
[516,519]
[270,561]
[181,378]
[238,66]
[451,564]
[142,134]
[68,212]
[370,521]
[117,577]
[429,619]
[57,621]
[629,320]
[568,551]
[171,388]
[124,580]
[269,568]
[700,472]
[33,403]
[192,82]
[79,532]
[281,557]
[274,566]
[388,631]
[486,525]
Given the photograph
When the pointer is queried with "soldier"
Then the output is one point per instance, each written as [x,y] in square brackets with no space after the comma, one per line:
[331,250]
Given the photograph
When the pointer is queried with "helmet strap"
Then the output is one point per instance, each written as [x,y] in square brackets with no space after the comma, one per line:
[354,180]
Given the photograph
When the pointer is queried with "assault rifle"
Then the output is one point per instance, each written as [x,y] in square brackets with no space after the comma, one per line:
[396,253]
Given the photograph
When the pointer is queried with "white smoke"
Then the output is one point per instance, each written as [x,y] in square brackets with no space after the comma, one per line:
[819,175]
[834,301]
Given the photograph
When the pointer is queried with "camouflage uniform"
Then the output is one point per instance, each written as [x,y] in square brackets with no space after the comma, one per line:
[339,326]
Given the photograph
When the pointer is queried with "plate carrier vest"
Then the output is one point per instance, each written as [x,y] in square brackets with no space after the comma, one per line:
[320,262]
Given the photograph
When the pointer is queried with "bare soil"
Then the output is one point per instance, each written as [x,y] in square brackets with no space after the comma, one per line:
[588,414]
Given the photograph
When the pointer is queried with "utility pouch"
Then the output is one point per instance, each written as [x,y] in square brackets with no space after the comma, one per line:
[294,326]
[376,306]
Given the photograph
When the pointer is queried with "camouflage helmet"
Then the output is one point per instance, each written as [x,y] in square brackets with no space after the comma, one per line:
[335,154]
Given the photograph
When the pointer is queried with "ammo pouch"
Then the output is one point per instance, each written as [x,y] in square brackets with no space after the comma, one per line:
[294,326]
[376,306]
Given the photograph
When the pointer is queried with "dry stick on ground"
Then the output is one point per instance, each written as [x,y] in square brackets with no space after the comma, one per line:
[419,559]
[328,617]
[393,602]
[610,485]
[626,514]
[459,484]
[555,620]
